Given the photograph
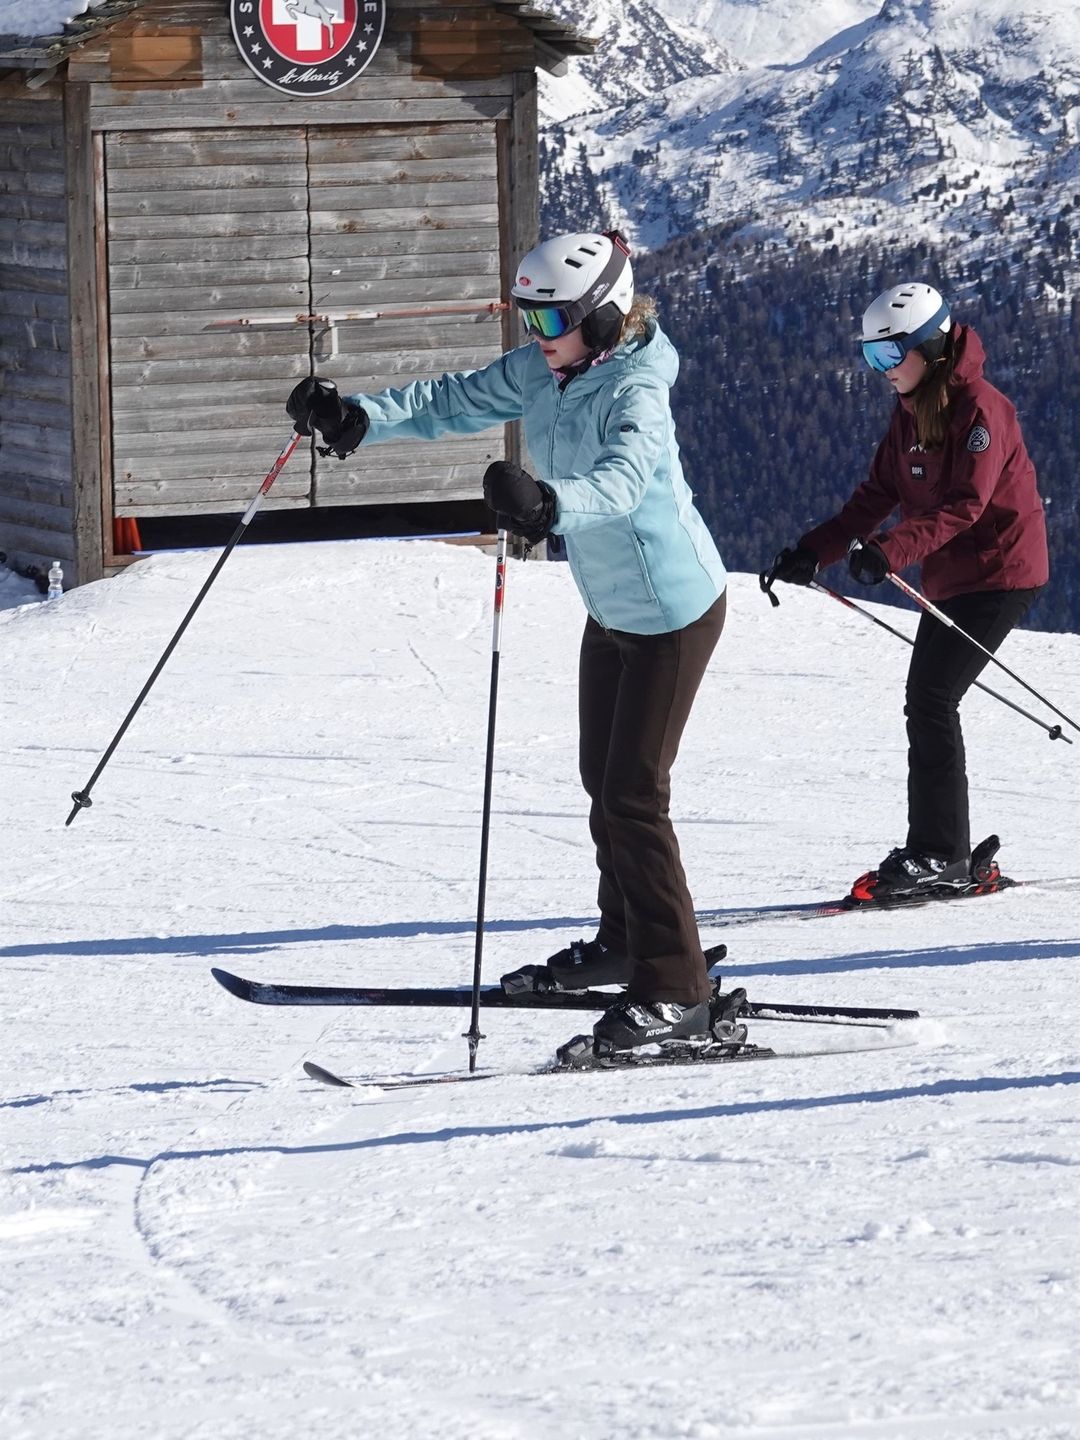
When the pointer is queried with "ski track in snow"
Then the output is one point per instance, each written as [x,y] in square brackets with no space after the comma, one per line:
[197,1241]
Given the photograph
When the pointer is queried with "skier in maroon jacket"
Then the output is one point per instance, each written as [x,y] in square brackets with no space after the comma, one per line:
[953,461]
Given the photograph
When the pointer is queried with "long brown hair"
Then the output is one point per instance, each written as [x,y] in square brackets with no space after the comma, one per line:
[930,399]
[637,324]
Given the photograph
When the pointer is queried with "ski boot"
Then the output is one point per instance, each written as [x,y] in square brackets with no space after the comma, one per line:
[581,966]
[631,1032]
[628,1026]
[905,877]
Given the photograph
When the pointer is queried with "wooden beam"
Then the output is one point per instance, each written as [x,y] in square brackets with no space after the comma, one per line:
[83,183]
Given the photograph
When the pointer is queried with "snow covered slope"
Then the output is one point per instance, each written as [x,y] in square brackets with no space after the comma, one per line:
[954,118]
[771,32]
[196,1241]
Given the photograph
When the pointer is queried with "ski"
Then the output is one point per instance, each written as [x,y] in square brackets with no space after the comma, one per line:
[731,1056]
[848,905]
[259,992]
[986,879]
[399,1082]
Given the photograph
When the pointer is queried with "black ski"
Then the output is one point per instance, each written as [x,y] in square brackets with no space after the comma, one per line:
[259,992]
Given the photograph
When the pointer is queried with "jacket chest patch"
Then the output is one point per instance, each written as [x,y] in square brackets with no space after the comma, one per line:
[918,472]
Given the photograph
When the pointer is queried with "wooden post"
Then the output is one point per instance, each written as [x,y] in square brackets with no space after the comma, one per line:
[87,480]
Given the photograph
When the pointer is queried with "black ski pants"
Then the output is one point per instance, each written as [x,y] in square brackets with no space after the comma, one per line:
[634,699]
[943,667]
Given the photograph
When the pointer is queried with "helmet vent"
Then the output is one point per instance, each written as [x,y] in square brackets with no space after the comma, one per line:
[575,263]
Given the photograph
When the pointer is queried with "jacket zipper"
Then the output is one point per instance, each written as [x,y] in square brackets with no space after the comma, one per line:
[551,471]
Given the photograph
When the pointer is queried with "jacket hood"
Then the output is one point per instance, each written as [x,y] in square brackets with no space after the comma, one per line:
[970,355]
[654,355]
[970,359]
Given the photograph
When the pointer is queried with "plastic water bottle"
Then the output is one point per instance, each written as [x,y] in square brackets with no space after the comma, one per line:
[56,581]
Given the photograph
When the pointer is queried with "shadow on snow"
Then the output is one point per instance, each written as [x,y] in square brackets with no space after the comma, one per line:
[936,1090]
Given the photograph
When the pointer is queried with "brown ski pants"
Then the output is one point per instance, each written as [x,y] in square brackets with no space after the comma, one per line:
[634,699]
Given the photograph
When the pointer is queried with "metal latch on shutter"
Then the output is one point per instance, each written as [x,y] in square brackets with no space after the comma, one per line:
[328,322]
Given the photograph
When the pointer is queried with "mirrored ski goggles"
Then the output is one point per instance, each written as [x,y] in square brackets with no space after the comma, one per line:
[883,355]
[549,321]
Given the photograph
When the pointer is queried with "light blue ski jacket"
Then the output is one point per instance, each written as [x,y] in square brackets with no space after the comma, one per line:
[639,551]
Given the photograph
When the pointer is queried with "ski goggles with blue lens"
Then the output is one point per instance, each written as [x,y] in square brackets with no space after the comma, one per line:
[883,355]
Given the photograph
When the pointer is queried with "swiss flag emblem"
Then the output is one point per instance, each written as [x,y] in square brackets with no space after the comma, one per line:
[308,32]
[307,47]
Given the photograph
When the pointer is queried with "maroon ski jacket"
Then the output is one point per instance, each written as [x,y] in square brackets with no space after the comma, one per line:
[970,511]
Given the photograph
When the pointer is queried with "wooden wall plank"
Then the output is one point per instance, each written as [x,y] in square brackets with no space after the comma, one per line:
[288,296]
[183,275]
[423,265]
[235,249]
[384,217]
[210,226]
[192,203]
[35,397]
[232,500]
[259,114]
[202,174]
[483,238]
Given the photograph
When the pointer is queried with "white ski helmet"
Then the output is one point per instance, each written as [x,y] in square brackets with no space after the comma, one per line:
[563,281]
[907,317]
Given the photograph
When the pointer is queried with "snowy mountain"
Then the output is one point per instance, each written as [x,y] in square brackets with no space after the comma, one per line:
[771,32]
[638,53]
[942,118]
[199,1243]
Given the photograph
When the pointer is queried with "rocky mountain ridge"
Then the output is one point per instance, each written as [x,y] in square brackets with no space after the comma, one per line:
[956,121]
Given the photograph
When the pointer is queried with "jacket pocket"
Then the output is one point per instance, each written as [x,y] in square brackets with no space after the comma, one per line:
[643,565]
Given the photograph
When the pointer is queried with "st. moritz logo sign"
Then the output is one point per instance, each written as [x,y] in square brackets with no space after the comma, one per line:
[307,47]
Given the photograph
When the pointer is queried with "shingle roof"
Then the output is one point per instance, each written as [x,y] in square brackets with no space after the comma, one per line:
[42,52]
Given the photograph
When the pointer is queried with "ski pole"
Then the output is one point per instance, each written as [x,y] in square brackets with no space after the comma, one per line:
[932,609]
[82,797]
[473,1034]
[1055,732]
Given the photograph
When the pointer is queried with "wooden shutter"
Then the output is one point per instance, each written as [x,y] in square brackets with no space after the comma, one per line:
[204,225]
[406,217]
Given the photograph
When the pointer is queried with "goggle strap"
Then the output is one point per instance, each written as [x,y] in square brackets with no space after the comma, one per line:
[926,330]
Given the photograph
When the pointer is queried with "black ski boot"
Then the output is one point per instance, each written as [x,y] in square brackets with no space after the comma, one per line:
[905,876]
[581,966]
[628,1025]
[905,873]
[631,1033]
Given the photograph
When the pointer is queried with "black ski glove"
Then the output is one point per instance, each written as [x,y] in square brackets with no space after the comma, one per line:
[316,405]
[521,504]
[795,566]
[868,564]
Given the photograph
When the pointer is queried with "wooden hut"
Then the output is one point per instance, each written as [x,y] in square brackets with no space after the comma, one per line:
[181,241]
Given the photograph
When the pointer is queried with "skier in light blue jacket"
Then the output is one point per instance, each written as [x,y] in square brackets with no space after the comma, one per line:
[592,389]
